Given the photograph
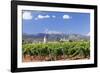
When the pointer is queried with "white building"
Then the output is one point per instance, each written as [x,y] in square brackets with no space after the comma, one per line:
[45,39]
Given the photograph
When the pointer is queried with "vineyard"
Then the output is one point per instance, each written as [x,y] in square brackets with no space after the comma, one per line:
[53,51]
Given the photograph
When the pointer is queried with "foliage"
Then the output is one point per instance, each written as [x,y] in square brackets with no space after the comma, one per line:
[54,49]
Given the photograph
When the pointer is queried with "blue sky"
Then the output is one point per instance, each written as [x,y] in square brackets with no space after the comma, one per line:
[64,22]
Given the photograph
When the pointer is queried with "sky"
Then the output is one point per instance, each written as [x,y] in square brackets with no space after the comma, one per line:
[34,22]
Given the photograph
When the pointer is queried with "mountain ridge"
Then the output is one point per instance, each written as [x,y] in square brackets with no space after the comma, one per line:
[54,37]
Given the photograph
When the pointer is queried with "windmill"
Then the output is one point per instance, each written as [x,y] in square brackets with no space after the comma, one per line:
[45,37]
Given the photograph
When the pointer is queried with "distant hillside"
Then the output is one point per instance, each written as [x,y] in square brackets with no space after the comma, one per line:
[53,37]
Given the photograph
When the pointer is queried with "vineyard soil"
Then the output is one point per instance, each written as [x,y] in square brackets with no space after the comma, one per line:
[47,58]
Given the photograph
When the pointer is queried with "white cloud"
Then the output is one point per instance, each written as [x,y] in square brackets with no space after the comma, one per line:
[42,17]
[27,15]
[53,16]
[66,16]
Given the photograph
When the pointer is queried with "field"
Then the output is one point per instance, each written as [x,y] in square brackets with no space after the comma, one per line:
[53,51]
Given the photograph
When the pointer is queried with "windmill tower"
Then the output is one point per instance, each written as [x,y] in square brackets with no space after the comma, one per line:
[45,37]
